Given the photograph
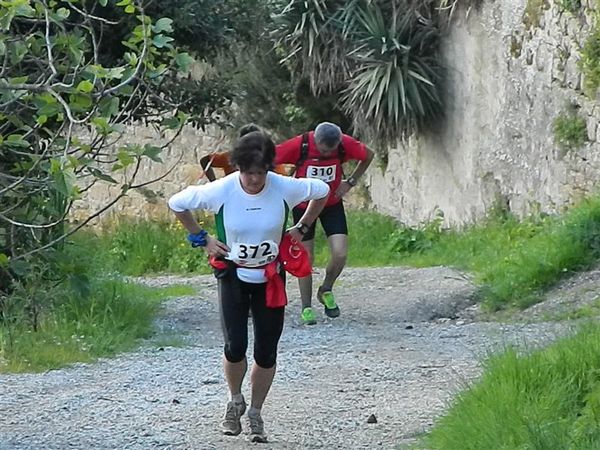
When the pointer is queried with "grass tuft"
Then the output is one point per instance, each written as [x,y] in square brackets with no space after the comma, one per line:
[547,399]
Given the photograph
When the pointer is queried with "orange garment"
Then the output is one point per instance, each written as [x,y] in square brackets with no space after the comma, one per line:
[220,160]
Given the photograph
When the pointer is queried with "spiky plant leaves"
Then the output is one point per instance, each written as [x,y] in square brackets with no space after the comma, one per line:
[314,49]
[394,88]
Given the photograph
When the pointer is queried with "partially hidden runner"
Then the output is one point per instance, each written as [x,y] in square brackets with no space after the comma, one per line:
[319,155]
[220,160]
[249,253]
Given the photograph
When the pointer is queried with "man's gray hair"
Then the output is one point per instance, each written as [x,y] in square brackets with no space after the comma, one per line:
[328,133]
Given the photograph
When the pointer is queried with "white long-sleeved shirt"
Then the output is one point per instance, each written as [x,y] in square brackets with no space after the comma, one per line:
[250,224]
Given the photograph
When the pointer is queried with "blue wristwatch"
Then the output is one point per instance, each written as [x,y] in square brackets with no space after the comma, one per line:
[198,239]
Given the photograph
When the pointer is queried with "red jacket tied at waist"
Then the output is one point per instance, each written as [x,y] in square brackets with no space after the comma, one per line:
[294,259]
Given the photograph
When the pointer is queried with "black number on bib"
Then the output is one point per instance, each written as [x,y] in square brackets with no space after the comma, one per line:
[267,248]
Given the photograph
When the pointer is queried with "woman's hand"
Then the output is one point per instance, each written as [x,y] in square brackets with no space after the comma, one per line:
[295,233]
[214,247]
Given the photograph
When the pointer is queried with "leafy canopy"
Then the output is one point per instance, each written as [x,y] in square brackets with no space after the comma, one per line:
[63,110]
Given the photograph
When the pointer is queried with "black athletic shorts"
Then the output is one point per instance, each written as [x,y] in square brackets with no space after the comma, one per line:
[333,220]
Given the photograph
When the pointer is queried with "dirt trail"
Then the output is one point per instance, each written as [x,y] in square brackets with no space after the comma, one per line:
[401,349]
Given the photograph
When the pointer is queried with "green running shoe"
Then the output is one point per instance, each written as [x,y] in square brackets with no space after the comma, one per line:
[308,316]
[328,301]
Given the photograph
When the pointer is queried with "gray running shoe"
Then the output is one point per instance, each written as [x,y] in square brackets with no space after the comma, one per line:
[257,429]
[231,424]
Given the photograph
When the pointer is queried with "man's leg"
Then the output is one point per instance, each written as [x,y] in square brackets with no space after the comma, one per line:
[307,316]
[306,283]
[334,223]
[338,246]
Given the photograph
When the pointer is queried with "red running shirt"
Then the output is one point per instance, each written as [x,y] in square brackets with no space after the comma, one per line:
[327,169]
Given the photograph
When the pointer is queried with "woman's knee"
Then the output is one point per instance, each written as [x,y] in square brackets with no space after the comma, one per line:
[235,353]
[266,360]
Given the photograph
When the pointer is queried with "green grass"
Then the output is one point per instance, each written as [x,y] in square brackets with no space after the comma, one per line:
[548,400]
[368,241]
[588,311]
[112,318]
[513,261]
[143,248]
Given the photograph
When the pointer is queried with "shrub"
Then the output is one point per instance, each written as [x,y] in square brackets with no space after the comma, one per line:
[570,131]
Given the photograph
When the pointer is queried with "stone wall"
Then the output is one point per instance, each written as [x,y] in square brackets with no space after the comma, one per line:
[150,202]
[508,82]
[509,79]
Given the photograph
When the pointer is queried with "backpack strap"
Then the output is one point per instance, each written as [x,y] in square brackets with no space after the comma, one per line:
[341,152]
[342,157]
[303,154]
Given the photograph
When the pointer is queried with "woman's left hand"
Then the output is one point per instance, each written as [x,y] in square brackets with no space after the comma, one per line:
[295,233]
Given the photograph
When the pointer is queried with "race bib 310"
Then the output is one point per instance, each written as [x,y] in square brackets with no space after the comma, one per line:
[323,173]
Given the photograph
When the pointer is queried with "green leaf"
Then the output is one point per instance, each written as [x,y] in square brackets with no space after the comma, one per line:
[115,73]
[152,152]
[64,182]
[41,120]
[130,9]
[125,158]
[102,125]
[85,86]
[103,2]
[161,40]
[63,13]
[80,102]
[20,267]
[101,175]
[163,24]
[109,106]
[6,17]
[172,123]
[17,51]
[183,61]
[16,140]
[3,260]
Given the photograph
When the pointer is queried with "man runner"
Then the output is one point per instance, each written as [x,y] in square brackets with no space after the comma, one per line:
[320,155]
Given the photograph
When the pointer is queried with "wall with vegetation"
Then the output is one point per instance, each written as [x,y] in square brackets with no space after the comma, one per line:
[521,128]
[522,124]
[179,168]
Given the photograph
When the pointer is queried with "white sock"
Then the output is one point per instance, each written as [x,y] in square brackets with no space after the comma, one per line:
[254,412]
[237,398]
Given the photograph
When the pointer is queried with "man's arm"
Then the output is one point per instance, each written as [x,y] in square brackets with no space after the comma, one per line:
[206,164]
[358,172]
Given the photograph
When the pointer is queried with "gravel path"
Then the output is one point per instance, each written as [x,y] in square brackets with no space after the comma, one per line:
[399,352]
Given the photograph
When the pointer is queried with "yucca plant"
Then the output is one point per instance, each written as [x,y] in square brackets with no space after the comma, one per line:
[311,46]
[380,57]
[395,87]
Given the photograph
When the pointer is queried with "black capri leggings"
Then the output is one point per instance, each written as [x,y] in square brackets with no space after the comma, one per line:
[236,298]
